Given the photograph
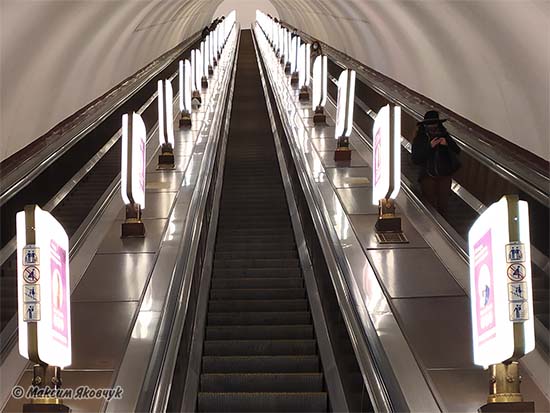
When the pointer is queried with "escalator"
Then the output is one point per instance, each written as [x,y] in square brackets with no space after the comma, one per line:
[259,351]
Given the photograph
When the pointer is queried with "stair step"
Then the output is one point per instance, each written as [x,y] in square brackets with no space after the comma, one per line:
[218,306]
[262,402]
[260,239]
[255,254]
[259,318]
[256,262]
[258,332]
[262,382]
[250,246]
[264,282]
[257,272]
[260,364]
[258,294]
[259,347]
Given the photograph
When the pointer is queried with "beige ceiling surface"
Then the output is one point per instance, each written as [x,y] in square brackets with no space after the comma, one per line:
[488,60]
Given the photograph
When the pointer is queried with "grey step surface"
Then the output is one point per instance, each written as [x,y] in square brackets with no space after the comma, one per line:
[259,318]
[259,351]
[260,332]
[260,382]
[262,402]
[261,364]
[257,294]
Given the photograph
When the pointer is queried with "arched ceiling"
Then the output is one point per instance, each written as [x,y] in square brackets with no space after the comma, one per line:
[487,60]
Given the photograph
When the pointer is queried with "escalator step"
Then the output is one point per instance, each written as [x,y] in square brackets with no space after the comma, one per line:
[260,382]
[259,347]
[258,332]
[257,305]
[260,364]
[256,272]
[265,282]
[258,294]
[259,318]
[256,263]
[251,246]
[262,402]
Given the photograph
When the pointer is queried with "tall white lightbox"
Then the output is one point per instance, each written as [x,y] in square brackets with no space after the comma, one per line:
[166,112]
[346,97]
[500,285]
[185,85]
[44,289]
[196,64]
[304,65]
[210,43]
[134,141]
[319,86]
[204,62]
[295,51]
[386,153]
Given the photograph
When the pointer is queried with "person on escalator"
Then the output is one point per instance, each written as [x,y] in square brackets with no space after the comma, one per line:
[436,153]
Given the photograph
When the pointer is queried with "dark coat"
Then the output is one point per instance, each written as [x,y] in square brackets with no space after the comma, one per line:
[422,150]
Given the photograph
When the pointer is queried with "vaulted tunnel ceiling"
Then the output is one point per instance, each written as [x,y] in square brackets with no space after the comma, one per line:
[487,60]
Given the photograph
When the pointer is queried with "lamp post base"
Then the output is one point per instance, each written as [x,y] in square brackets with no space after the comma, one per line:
[304,94]
[196,99]
[342,155]
[319,117]
[294,79]
[133,229]
[513,407]
[185,120]
[45,406]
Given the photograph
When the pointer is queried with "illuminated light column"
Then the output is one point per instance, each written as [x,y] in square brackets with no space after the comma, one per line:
[344,115]
[501,299]
[166,125]
[44,302]
[209,54]
[319,89]
[294,77]
[204,65]
[386,171]
[132,174]
[282,51]
[196,72]
[213,47]
[304,71]
[288,57]
[185,86]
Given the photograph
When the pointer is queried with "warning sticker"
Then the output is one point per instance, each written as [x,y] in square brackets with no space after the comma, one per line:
[516,272]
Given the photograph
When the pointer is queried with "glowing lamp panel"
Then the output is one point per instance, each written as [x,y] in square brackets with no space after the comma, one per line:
[319,84]
[185,86]
[43,288]
[169,107]
[500,285]
[344,109]
[381,155]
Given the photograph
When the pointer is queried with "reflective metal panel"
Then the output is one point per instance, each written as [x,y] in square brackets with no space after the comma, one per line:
[114,277]
[437,329]
[112,243]
[413,273]
[100,332]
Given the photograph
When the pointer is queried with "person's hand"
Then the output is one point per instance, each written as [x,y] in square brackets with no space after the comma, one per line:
[434,142]
[443,141]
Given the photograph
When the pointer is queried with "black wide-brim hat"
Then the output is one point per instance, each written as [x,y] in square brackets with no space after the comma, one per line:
[431,116]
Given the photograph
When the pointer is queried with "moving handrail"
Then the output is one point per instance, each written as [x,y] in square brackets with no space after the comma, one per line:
[378,376]
[529,179]
[17,179]
[156,388]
